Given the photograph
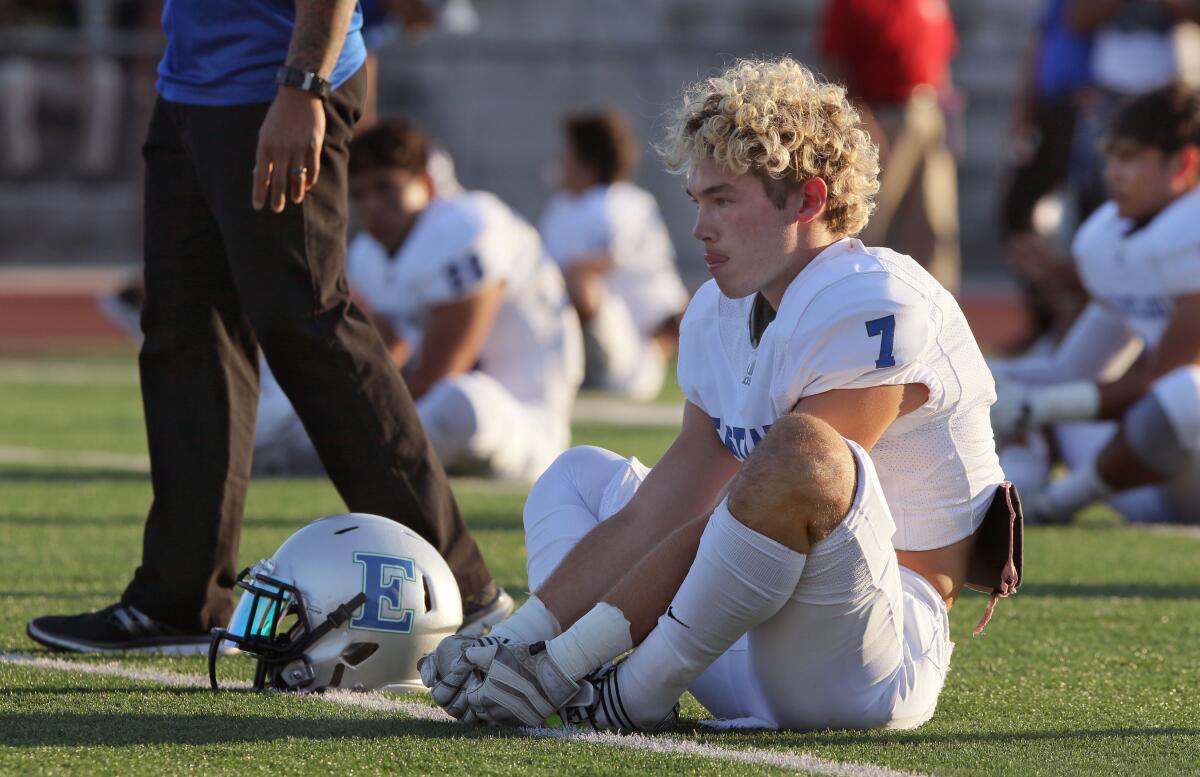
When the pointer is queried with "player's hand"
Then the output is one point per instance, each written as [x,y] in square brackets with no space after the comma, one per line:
[516,684]
[446,670]
[288,159]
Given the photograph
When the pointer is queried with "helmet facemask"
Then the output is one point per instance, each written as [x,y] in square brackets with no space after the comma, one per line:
[267,603]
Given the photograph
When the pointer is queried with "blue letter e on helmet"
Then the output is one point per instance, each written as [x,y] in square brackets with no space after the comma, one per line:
[383,584]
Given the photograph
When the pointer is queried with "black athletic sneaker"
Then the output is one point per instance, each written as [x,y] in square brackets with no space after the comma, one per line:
[484,610]
[118,627]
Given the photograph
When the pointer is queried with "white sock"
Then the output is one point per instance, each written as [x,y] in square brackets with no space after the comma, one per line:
[1063,498]
[531,623]
[599,636]
[739,579]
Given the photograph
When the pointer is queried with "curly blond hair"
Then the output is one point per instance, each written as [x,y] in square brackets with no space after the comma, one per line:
[776,119]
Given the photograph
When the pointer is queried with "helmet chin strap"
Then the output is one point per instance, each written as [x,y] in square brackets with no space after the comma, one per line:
[335,619]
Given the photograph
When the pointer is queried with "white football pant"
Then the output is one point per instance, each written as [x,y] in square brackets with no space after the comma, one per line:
[619,357]
[862,642]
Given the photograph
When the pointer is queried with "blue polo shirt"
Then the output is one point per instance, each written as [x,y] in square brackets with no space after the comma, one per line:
[1065,57]
[225,52]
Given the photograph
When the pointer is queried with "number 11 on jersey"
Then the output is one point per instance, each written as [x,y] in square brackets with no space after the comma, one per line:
[886,328]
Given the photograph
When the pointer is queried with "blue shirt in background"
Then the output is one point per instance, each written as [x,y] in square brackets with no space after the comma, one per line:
[1065,56]
[225,52]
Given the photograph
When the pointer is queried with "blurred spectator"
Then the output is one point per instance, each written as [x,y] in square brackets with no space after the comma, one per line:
[609,238]
[1136,51]
[1056,70]
[89,83]
[894,57]
[415,17]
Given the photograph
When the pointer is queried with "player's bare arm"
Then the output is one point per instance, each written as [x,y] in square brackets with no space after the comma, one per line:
[685,485]
[454,336]
[398,348]
[288,160]
[862,415]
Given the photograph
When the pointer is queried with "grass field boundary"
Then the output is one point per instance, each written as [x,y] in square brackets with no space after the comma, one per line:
[101,460]
[65,372]
[802,762]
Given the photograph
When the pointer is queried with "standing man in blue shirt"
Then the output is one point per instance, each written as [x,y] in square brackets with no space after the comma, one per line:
[245,246]
[1055,76]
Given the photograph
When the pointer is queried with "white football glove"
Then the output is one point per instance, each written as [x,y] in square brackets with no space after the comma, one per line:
[1021,408]
[446,670]
[520,686]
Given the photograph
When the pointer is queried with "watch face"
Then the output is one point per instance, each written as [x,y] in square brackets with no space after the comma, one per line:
[300,79]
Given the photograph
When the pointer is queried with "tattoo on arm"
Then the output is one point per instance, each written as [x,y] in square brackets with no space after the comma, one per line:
[319,34]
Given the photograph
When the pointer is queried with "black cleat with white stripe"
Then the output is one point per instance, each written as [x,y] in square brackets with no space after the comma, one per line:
[604,710]
[116,628]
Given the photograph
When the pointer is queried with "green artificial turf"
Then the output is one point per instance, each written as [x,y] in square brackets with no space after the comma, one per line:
[1091,669]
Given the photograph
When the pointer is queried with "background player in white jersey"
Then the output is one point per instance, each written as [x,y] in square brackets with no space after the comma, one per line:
[1133,358]
[609,238]
[797,581]
[470,306]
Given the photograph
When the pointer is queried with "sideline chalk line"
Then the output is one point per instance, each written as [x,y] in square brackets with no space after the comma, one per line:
[802,762]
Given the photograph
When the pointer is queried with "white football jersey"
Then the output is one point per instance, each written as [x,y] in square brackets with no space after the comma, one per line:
[459,244]
[623,221]
[857,317]
[1137,273]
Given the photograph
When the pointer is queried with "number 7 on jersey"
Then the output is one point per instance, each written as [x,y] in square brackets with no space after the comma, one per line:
[885,328]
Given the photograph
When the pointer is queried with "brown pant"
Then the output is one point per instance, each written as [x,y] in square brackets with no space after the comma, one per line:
[916,210]
[223,279]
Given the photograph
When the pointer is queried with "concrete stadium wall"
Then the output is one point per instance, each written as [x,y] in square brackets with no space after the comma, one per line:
[495,98]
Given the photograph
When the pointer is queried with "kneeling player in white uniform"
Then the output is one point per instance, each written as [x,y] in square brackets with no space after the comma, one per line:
[471,307]
[609,238]
[1139,257]
[837,421]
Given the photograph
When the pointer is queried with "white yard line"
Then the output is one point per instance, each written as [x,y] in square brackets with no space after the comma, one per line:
[801,762]
[1173,530]
[104,460]
[113,669]
[602,409]
[137,462]
[65,372]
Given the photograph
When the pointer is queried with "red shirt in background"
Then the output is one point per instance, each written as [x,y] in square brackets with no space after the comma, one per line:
[888,47]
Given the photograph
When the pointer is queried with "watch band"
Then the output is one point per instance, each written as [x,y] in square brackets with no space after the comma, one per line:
[304,80]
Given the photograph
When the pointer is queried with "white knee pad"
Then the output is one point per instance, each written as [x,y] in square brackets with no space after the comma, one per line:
[448,416]
[1178,392]
[584,486]
[478,427]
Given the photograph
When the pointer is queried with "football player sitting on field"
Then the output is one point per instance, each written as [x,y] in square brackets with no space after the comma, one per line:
[818,512]
[1120,397]
[471,307]
[609,238]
